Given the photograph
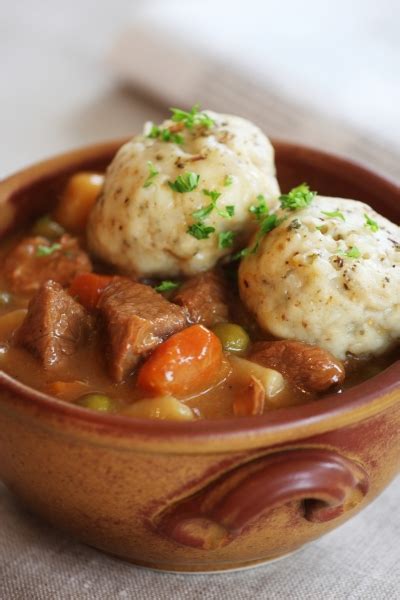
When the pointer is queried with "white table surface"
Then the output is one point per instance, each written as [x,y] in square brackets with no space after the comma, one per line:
[56,94]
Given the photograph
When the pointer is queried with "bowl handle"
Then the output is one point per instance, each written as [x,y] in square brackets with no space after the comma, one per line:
[327,484]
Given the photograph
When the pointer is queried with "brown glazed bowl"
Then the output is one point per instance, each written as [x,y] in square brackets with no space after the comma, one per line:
[208,495]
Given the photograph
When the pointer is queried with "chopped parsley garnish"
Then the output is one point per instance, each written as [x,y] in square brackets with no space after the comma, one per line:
[202,213]
[227,212]
[335,214]
[200,231]
[370,223]
[213,194]
[228,180]
[152,174]
[187,182]
[299,197]
[225,239]
[267,224]
[165,135]
[47,250]
[260,209]
[166,286]
[193,118]
[353,252]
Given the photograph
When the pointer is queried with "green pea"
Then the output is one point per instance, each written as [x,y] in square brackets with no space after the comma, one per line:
[46,227]
[233,337]
[98,402]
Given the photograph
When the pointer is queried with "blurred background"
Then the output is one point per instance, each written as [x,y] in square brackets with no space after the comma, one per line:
[325,73]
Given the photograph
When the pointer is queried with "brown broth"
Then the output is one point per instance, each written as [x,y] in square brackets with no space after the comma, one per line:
[89,364]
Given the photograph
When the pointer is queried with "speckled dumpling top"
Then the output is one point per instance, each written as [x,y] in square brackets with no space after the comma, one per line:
[329,274]
[145,222]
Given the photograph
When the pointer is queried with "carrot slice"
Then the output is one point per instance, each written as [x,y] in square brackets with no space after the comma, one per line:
[186,363]
[87,288]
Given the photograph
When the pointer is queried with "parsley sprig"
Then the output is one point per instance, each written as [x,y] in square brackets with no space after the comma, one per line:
[165,135]
[334,214]
[47,250]
[187,182]
[200,231]
[166,286]
[192,118]
[370,223]
[353,252]
[299,197]
[152,174]
[260,209]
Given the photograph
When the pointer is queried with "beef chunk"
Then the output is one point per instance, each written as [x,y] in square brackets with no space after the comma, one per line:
[54,326]
[205,298]
[137,319]
[36,260]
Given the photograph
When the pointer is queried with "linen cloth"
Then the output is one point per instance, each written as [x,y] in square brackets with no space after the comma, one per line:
[58,95]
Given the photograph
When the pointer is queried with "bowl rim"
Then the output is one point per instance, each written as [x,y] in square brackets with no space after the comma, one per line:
[282,425]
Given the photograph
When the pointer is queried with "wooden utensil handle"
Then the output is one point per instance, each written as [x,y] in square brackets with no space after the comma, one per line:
[327,483]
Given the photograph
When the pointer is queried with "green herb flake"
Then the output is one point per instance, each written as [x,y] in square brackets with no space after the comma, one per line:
[200,231]
[166,286]
[193,118]
[299,197]
[47,250]
[225,239]
[154,132]
[213,194]
[353,252]
[202,213]
[370,223]
[269,223]
[164,134]
[335,214]
[152,174]
[187,182]
[228,180]
[260,209]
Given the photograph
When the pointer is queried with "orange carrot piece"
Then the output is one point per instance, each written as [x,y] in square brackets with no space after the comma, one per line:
[87,288]
[186,363]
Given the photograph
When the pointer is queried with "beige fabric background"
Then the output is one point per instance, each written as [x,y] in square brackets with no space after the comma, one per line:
[56,94]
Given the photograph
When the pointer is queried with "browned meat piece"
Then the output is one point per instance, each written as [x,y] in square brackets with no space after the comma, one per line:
[205,299]
[54,326]
[308,367]
[36,260]
[137,319]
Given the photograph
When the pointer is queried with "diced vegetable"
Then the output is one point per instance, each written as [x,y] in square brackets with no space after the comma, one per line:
[77,200]
[244,370]
[233,337]
[98,402]
[87,288]
[67,390]
[164,407]
[187,362]
[48,228]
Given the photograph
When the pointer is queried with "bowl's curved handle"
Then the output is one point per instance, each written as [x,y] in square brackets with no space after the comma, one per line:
[329,484]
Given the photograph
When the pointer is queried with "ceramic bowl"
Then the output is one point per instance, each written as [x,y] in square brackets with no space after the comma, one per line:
[209,495]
